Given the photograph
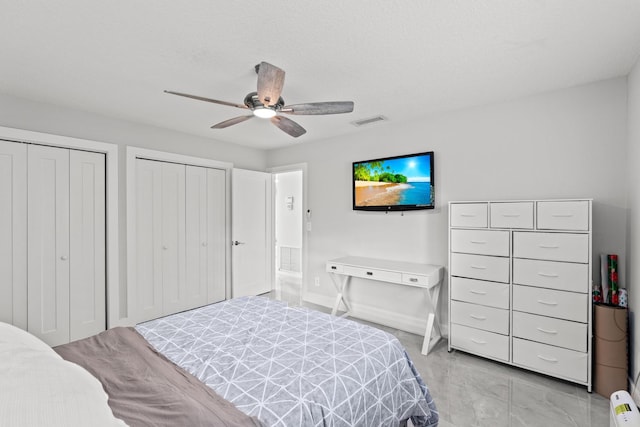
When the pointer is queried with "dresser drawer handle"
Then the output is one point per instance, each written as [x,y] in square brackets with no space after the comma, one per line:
[369,273]
[477,317]
[562,215]
[468,215]
[479,242]
[511,215]
[333,267]
[547,331]
[548,246]
[477,292]
[478,267]
[478,341]
[547,302]
[413,279]
[548,274]
[548,359]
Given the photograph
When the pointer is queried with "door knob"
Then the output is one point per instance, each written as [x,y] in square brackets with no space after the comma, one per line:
[64,257]
[236,243]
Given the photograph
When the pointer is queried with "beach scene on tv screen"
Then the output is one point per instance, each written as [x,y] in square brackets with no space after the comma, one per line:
[393,182]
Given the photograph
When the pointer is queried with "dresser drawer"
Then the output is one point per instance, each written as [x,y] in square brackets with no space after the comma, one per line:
[562,276]
[547,330]
[567,215]
[480,342]
[373,274]
[549,359]
[480,316]
[483,242]
[495,269]
[546,302]
[468,215]
[491,294]
[570,247]
[511,215]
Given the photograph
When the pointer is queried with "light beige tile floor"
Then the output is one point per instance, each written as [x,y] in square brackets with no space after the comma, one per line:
[471,391]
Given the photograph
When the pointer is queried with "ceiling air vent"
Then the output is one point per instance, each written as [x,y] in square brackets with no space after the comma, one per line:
[369,121]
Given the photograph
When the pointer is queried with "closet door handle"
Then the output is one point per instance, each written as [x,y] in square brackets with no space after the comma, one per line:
[64,257]
[164,247]
[204,243]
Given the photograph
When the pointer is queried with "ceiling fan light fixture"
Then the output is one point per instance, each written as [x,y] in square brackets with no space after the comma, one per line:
[264,113]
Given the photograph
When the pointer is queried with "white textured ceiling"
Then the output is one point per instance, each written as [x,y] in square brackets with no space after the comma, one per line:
[401,59]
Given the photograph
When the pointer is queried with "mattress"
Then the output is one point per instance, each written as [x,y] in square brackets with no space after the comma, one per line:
[291,366]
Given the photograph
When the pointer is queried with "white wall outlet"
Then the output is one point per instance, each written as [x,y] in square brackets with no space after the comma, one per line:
[316,281]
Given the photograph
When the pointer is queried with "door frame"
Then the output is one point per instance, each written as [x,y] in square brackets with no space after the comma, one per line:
[134,153]
[306,212]
[111,180]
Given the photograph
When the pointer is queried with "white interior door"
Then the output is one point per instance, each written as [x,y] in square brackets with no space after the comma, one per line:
[48,243]
[13,229]
[87,244]
[251,232]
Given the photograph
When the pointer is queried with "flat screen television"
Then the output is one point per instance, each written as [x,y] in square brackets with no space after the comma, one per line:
[399,183]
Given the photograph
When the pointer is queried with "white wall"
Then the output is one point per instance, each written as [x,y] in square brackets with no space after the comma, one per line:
[47,118]
[563,144]
[633,216]
[289,221]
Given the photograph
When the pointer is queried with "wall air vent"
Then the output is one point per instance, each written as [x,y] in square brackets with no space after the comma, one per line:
[369,121]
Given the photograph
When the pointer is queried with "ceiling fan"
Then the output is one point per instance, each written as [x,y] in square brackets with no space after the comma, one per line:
[268,104]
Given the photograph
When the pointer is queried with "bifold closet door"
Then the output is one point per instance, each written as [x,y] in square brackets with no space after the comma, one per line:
[160,238]
[87,244]
[13,233]
[66,244]
[48,243]
[205,236]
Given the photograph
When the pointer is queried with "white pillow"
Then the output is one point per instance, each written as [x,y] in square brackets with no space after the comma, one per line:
[39,388]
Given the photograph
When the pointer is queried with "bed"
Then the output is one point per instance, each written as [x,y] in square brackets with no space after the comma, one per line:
[263,362]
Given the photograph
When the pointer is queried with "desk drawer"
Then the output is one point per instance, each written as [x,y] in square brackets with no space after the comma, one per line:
[373,274]
[562,276]
[546,302]
[468,215]
[512,215]
[483,242]
[495,269]
[481,317]
[491,294]
[334,268]
[570,247]
[553,360]
[480,342]
[563,215]
[561,333]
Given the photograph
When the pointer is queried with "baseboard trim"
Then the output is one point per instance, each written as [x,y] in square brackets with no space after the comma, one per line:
[396,320]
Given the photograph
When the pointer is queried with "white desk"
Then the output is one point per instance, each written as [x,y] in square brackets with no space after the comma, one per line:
[424,276]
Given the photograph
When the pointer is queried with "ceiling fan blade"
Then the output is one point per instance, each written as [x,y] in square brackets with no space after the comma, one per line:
[288,126]
[317,108]
[231,122]
[270,82]
[201,98]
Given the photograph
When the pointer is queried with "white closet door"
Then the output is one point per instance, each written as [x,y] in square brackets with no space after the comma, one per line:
[205,235]
[148,239]
[196,236]
[87,244]
[173,238]
[217,241]
[13,233]
[48,243]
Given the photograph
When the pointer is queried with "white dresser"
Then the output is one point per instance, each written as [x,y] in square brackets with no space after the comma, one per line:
[520,284]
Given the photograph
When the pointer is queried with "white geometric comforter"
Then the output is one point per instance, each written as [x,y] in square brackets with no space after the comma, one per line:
[291,366]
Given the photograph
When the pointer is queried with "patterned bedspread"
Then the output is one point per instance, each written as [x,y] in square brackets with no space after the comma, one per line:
[291,366]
